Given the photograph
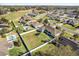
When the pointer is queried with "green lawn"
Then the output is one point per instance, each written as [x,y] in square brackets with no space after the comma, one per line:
[77,38]
[69,26]
[17,50]
[13,15]
[52,21]
[40,16]
[76,25]
[67,34]
[20,28]
[52,50]
[44,49]
[33,40]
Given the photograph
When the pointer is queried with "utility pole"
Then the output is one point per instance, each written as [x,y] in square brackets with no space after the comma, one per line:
[21,39]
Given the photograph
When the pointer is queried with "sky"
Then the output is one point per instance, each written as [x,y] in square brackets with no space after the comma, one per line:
[39,2]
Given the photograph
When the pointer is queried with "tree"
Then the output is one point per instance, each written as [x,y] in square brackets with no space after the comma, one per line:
[2,32]
[76,36]
[45,21]
[13,9]
[3,20]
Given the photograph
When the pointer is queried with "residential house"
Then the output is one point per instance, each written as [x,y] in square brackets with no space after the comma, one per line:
[37,25]
[53,30]
[26,27]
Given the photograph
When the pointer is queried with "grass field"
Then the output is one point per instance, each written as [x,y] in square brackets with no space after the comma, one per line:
[43,49]
[33,40]
[13,15]
[52,50]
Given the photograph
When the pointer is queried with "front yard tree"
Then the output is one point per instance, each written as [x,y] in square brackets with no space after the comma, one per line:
[3,20]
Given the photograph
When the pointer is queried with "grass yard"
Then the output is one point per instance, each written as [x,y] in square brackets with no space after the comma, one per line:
[15,51]
[52,21]
[77,38]
[20,28]
[13,15]
[44,49]
[34,39]
[67,34]
[69,26]
[51,50]
[40,16]
[77,25]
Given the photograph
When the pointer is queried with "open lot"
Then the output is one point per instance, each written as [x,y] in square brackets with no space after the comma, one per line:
[52,50]
[13,15]
[35,39]
[32,39]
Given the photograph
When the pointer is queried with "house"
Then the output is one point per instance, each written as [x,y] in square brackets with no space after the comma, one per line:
[37,25]
[67,41]
[70,22]
[22,20]
[32,14]
[26,27]
[4,25]
[52,30]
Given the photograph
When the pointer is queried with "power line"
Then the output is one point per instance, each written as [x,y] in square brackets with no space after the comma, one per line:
[21,39]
